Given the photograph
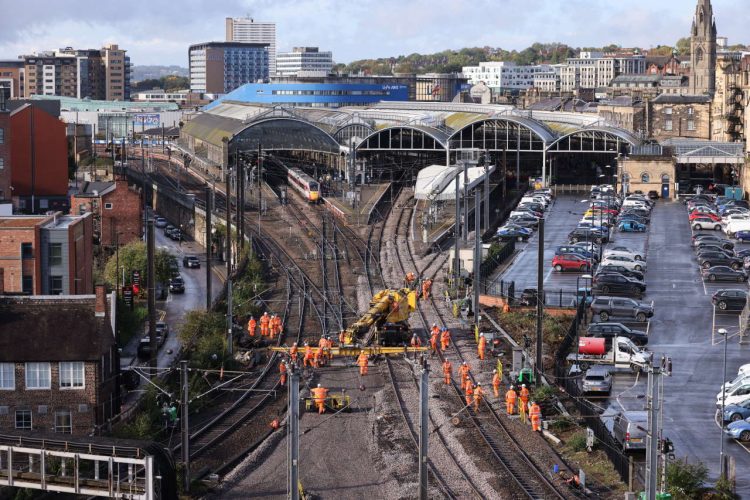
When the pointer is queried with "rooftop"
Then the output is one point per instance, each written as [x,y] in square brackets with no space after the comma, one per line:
[73,104]
[682,99]
[21,221]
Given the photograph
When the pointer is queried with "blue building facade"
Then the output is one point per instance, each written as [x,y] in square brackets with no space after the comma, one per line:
[326,95]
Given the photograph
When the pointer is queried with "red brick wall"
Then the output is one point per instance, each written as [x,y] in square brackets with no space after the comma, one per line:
[81,251]
[5,193]
[10,258]
[124,217]
[50,153]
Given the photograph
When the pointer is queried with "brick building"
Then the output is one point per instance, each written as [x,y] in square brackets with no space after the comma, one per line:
[116,209]
[39,153]
[47,255]
[5,182]
[63,377]
[12,78]
[687,116]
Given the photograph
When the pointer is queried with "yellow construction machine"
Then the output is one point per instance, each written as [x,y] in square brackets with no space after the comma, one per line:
[386,322]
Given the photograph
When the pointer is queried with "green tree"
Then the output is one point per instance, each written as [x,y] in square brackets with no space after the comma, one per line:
[133,257]
[685,480]
[683,46]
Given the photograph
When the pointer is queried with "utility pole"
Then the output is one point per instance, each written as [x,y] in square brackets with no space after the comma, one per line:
[229,263]
[518,158]
[652,436]
[260,183]
[293,434]
[538,365]
[241,181]
[184,427]
[209,209]
[486,215]
[477,254]
[424,430]
[457,235]
[466,202]
[153,347]
[237,198]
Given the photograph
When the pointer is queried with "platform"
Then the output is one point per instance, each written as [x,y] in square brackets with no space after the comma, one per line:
[362,212]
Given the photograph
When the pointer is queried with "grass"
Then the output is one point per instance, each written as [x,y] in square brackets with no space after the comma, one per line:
[596,464]
[518,324]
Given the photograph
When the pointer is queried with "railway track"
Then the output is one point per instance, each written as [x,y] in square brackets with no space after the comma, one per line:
[502,445]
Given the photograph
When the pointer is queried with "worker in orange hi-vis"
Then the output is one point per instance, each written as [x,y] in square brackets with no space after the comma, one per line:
[524,395]
[272,327]
[478,396]
[481,346]
[342,338]
[510,400]
[496,381]
[293,353]
[318,358]
[251,325]
[409,278]
[264,320]
[447,371]
[536,417]
[469,393]
[320,394]
[445,339]
[362,361]
[426,288]
[329,348]
[433,343]
[463,370]
[308,355]
[282,372]
[279,327]
[415,342]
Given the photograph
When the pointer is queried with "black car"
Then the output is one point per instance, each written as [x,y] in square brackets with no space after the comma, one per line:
[712,239]
[176,285]
[723,273]
[523,221]
[637,212]
[708,247]
[603,330]
[628,273]
[730,300]
[743,253]
[536,207]
[617,283]
[653,195]
[587,234]
[711,259]
[191,261]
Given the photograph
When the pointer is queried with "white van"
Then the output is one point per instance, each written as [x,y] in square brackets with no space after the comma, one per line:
[737,225]
[635,203]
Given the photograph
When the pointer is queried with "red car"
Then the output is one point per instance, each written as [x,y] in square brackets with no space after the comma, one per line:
[610,211]
[695,215]
[570,262]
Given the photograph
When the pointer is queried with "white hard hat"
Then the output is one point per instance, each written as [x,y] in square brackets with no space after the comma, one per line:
[318,385]
[481,334]
[523,385]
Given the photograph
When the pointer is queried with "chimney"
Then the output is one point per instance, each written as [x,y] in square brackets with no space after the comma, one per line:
[100,306]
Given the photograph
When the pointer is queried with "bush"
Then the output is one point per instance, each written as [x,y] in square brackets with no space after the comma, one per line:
[685,480]
[578,442]
[129,322]
[560,424]
[133,256]
[543,393]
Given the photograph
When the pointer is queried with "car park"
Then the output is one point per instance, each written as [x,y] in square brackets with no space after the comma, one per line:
[597,379]
[723,273]
[629,429]
[191,261]
[176,285]
[734,413]
[729,300]
[622,260]
[704,222]
[571,262]
[607,329]
[606,307]
[617,269]
[622,250]
[713,259]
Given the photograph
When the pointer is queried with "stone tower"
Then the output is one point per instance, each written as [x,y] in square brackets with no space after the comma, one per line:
[703,50]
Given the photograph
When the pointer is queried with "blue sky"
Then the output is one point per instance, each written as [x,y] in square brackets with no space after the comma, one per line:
[159,32]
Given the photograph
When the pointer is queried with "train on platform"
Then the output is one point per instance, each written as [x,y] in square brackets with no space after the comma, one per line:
[305,185]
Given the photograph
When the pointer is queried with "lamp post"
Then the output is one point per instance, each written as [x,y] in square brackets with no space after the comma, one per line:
[723,333]
[578,305]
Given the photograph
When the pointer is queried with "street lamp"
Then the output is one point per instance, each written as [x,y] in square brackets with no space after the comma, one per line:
[723,333]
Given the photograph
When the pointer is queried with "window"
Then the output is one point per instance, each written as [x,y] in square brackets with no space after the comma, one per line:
[37,376]
[7,376]
[690,111]
[63,422]
[2,135]
[645,178]
[27,284]
[23,419]
[667,111]
[55,285]
[668,125]
[71,375]
[664,178]
[691,125]
[107,206]
[27,251]
[55,254]
[2,160]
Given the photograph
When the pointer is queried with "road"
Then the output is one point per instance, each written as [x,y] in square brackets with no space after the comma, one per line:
[682,328]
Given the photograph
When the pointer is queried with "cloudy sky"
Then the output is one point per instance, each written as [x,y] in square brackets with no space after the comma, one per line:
[159,31]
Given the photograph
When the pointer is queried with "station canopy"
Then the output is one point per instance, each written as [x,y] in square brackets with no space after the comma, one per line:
[437,182]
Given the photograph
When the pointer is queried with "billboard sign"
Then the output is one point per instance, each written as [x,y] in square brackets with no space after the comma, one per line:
[147,120]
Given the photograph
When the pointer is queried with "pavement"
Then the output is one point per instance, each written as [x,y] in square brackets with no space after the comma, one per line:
[683,327]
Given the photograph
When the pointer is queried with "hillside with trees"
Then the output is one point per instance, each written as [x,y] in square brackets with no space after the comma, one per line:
[167,83]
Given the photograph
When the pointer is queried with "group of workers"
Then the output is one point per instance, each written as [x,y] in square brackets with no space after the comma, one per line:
[270,325]
[522,400]
[443,336]
[314,357]
[411,281]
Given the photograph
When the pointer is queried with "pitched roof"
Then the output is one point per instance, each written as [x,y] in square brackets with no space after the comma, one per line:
[681,99]
[95,188]
[52,328]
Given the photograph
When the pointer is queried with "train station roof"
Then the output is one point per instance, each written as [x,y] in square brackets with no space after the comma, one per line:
[706,152]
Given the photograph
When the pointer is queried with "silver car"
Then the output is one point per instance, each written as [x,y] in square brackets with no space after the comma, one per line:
[630,429]
[597,380]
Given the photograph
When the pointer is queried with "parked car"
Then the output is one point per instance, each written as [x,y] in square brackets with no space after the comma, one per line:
[739,430]
[743,253]
[712,239]
[571,262]
[712,259]
[705,222]
[617,283]
[734,413]
[191,261]
[629,429]
[621,307]
[723,273]
[742,235]
[176,285]
[631,226]
[597,379]
[622,250]
[622,260]
[160,222]
[174,234]
[617,269]
[653,195]
[617,330]
[708,247]
[587,234]
[734,394]
[589,246]
[575,249]
[698,214]
[729,300]
[513,232]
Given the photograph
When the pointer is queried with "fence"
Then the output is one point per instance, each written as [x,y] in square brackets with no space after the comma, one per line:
[515,296]
[591,413]
[495,260]
[571,188]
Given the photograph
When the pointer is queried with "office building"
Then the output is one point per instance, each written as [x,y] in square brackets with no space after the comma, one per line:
[221,67]
[247,30]
[502,76]
[49,74]
[304,61]
[47,254]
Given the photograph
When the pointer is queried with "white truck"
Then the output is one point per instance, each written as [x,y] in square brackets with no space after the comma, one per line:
[620,352]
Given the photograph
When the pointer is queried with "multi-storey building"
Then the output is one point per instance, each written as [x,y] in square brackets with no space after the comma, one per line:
[683,116]
[221,67]
[116,208]
[58,363]
[595,69]
[504,76]
[47,254]
[12,78]
[247,30]
[48,74]
[304,61]
[116,73]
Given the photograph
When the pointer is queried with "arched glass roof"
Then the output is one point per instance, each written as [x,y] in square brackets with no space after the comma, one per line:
[595,140]
[405,137]
[283,134]
[503,133]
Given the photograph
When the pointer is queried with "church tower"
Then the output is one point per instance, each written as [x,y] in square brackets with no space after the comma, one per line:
[703,50]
